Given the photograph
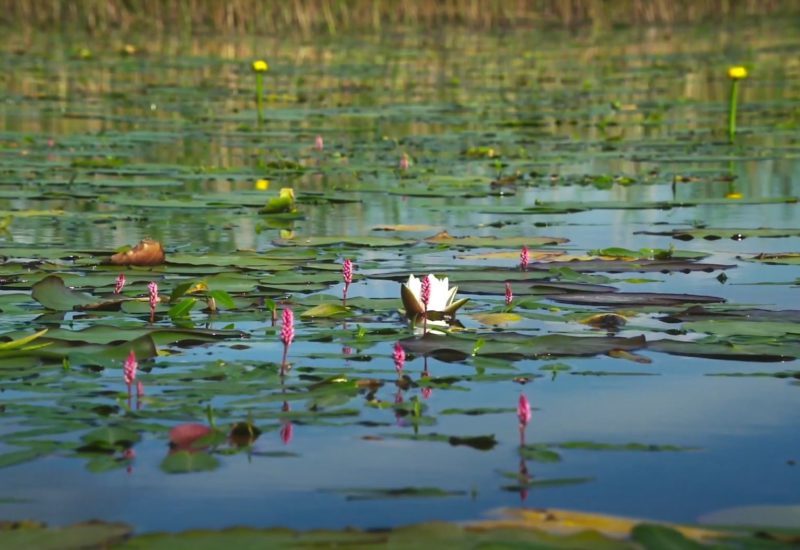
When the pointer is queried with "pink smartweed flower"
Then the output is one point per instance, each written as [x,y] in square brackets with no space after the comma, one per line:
[347,275]
[347,271]
[509,294]
[287,432]
[426,291]
[399,357]
[524,258]
[404,162]
[319,145]
[153,288]
[287,329]
[523,411]
[118,286]
[129,368]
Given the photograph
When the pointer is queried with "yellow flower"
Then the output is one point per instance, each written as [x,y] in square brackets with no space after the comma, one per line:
[260,66]
[286,192]
[737,73]
[262,185]
[734,196]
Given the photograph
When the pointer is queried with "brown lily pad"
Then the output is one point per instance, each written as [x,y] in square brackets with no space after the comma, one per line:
[147,252]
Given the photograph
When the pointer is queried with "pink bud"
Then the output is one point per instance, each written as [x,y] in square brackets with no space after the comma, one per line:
[524,258]
[318,143]
[139,390]
[287,329]
[404,162]
[509,294]
[287,432]
[426,290]
[427,391]
[153,288]
[118,286]
[523,410]
[399,356]
[129,368]
[347,271]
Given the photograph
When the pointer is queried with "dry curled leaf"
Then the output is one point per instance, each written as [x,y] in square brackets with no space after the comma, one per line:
[147,252]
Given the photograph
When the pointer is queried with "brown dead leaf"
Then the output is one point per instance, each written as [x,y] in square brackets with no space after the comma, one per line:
[147,252]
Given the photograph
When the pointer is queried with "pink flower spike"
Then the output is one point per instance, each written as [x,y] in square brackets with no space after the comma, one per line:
[287,432]
[426,290]
[129,368]
[347,271]
[524,258]
[319,145]
[120,284]
[509,294]
[153,288]
[139,390]
[523,411]
[287,329]
[404,162]
[399,356]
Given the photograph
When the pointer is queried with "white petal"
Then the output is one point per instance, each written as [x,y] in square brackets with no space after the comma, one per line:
[415,286]
[439,293]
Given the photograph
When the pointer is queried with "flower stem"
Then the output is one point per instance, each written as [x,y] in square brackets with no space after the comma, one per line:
[734,98]
[260,97]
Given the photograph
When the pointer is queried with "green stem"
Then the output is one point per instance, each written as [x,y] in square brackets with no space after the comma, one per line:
[732,109]
[260,96]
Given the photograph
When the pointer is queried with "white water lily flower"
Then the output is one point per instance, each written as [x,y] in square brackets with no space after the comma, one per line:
[442,299]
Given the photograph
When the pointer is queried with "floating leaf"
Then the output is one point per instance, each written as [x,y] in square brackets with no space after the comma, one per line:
[325,311]
[184,462]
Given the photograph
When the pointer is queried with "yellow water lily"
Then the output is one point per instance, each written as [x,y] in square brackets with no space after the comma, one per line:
[441,304]
[260,66]
[737,73]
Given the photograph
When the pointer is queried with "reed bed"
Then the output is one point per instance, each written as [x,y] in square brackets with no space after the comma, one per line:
[336,16]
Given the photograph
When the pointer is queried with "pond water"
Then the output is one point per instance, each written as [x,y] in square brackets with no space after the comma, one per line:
[569,143]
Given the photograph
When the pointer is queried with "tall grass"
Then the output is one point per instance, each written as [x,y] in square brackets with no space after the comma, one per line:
[336,16]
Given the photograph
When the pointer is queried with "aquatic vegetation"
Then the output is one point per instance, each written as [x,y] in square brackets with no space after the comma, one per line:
[119,284]
[736,74]
[287,333]
[347,276]
[260,67]
[592,171]
[399,357]
[430,297]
